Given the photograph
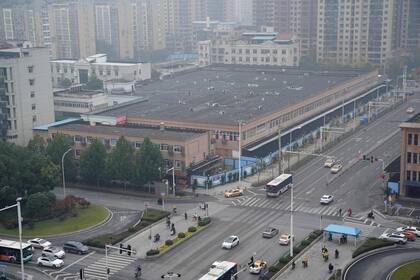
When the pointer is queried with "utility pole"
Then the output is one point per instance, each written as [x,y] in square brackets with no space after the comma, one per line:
[280,153]
[62,169]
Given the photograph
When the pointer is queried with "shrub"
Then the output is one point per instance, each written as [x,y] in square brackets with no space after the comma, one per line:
[371,244]
[192,229]
[297,250]
[181,235]
[204,221]
[305,243]
[273,268]
[169,242]
[284,259]
[152,252]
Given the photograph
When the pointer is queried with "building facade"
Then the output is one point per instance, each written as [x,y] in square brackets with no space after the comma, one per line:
[410,158]
[355,32]
[3,110]
[79,71]
[252,49]
[28,90]
[407,26]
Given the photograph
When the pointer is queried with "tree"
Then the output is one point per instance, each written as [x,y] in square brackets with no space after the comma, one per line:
[55,151]
[120,163]
[149,162]
[155,75]
[92,162]
[65,83]
[37,145]
[94,83]
[8,196]
[38,205]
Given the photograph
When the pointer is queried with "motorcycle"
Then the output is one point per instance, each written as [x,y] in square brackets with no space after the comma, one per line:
[156,238]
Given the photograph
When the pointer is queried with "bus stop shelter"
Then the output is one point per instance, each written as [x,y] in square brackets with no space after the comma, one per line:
[343,230]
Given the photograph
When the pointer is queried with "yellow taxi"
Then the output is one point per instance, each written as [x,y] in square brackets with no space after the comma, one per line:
[234,192]
[256,267]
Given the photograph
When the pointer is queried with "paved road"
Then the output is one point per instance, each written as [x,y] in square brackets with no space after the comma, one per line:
[378,266]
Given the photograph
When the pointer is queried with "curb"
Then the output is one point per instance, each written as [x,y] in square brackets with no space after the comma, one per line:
[103,222]
[178,243]
[286,266]
[395,269]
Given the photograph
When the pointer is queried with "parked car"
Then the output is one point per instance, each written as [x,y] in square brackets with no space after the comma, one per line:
[285,239]
[234,192]
[39,243]
[50,261]
[270,232]
[329,162]
[410,110]
[410,235]
[415,230]
[75,247]
[230,242]
[256,267]
[336,168]
[326,199]
[53,251]
[394,237]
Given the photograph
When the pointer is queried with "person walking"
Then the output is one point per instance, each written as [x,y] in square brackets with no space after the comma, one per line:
[340,212]
[186,216]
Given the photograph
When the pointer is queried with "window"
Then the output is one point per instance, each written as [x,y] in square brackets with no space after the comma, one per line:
[283,51]
[137,145]
[30,69]
[33,118]
[414,158]
[408,175]
[416,139]
[31,82]
[410,139]
[32,94]
[177,149]
[415,176]
[78,138]
[33,107]
[178,164]
[78,152]
[163,147]
[113,142]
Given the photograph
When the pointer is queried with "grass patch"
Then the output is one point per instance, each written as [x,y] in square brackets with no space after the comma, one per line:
[86,217]
[370,244]
[150,216]
[407,271]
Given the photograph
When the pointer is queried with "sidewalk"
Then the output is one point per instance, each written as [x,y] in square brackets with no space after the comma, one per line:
[141,242]
[318,268]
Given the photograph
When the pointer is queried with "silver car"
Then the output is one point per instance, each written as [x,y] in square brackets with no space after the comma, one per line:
[270,232]
[53,251]
[394,237]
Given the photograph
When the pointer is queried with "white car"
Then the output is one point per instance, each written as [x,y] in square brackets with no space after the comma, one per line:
[50,262]
[230,242]
[414,230]
[326,199]
[285,239]
[39,243]
[54,252]
[336,168]
[394,237]
[410,110]
[329,162]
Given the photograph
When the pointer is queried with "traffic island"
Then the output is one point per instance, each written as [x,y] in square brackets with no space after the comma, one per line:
[408,271]
[181,237]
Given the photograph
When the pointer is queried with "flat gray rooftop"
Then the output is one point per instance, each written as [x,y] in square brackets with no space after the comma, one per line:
[225,94]
[129,131]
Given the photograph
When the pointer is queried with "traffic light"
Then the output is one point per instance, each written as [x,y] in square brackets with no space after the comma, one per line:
[121,248]
[371,159]
[129,249]
[364,157]
[108,271]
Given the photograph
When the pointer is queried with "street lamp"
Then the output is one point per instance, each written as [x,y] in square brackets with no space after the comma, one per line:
[240,152]
[173,178]
[19,212]
[280,153]
[291,221]
[62,169]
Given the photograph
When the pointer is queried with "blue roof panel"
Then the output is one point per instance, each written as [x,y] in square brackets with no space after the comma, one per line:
[48,125]
[343,230]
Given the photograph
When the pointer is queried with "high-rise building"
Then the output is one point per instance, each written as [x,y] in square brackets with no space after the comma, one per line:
[245,12]
[263,13]
[407,24]
[3,109]
[72,28]
[178,25]
[354,32]
[27,76]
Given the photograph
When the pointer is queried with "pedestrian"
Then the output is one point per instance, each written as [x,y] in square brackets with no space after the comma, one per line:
[185,216]
[349,211]
[340,212]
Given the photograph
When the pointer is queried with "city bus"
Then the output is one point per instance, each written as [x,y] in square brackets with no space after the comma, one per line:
[279,185]
[222,271]
[10,251]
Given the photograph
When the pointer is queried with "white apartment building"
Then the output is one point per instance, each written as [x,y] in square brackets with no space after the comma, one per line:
[79,71]
[28,91]
[255,49]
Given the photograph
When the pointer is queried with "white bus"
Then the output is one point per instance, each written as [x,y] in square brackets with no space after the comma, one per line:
[279,185]
[221,271]
[10,251]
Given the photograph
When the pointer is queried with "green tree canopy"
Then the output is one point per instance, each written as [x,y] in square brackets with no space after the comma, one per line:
[65,83]
[8,196]
[55,150]
[38,205]
[120,163]
[92,162]
[94,83]
[149,162]
[37,145]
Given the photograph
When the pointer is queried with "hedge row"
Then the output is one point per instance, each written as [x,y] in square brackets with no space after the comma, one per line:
[285,259]
[370,244]
[150,216]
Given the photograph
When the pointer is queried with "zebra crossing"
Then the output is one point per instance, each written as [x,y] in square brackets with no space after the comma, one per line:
[97,270]
[260,202]
[58,275]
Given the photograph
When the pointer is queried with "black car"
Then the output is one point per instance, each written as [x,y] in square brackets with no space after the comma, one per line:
[75,247]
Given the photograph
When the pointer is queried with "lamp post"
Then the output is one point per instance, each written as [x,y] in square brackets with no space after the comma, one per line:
[291,222]
[280,153]
[62,169]
[19,212]
[240,152]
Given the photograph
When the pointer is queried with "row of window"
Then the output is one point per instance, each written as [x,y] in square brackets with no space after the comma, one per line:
[413,158]
[413,139]
[413,176]
[175,148]
[72,104]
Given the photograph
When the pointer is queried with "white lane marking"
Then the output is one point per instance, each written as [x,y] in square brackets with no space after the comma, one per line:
[310,191]
[251,192]
[79,260]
